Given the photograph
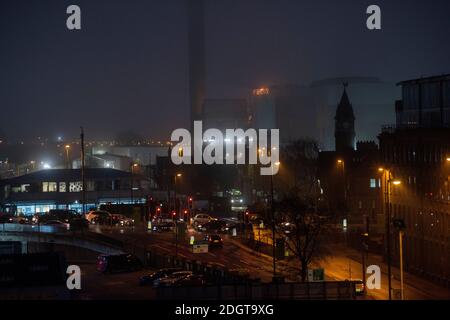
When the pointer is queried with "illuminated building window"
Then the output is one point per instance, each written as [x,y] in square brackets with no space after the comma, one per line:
[261,91]
[76,186]
[49,187]
[373,183]
[62,187]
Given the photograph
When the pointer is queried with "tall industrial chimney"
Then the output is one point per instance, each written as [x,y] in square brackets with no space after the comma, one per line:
[196,57]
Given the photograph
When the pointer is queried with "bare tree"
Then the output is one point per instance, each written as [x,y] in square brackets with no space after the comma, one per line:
[302,226]
[300,205]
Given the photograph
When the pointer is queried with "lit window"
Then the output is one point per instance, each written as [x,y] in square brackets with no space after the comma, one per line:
[373,183]
[49,186]
[62,187]
[75,186]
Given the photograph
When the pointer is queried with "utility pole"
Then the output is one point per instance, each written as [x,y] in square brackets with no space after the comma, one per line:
[388,233]
[400,236]
[83,182]
[273,226]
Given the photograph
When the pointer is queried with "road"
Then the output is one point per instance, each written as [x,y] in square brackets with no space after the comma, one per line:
[233,255]
[343,264]
[121,286]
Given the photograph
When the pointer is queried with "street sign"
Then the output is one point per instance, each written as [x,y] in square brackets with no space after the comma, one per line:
[310,275]
[200,248]
[318,274]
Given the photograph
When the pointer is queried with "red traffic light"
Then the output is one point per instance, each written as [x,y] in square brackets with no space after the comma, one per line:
[158,209]
[190,199]
[174,213]
[246,213]
[185,211]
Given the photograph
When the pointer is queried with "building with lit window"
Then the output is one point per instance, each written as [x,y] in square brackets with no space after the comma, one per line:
[41,191]
[349,175]
[416,151]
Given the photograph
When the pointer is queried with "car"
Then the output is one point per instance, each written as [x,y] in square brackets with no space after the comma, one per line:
[213,226]
[162,273]
[63,214]
[287,228]
[78,224]
[56,223]
[101,215]
[56,214]
[125,262]
[121,220]
[190,280]
[6,218]
[214,240]
[21,219]
[359,287]
[163,227]
[200,219]
[171,279]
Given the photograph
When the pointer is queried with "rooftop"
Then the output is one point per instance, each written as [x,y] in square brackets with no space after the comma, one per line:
[68,175]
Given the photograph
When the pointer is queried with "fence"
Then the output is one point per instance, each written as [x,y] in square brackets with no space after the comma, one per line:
[330,290]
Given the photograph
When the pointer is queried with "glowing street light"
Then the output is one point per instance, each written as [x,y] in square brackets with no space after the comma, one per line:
[67,147]
[396,182]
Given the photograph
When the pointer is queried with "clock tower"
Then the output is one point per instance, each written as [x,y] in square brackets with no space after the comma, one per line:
[344,129]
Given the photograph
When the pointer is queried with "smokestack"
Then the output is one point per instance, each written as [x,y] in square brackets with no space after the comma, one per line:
[196,58]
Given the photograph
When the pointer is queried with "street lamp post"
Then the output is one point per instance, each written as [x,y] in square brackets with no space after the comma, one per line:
[133,165]
[273,221]
[178,175]
[388,186]
[399,224]
[67,147]
[400,239]
[341,162]
[363,256]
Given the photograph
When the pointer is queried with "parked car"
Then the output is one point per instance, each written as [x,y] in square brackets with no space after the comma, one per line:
[21,219]
[57,223]
[118,263]
[359,287]
[162,273]
[6,218]
[171,279]
[214,241]
[190,280]
[214,226]
[103,216]
[78,224]
[163,227]
[121,220]
[55,214]
[200,219]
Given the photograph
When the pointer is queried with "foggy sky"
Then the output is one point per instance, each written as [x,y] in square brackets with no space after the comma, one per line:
[127,67]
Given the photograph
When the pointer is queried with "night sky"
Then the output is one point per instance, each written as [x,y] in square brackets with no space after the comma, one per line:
[127,67]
